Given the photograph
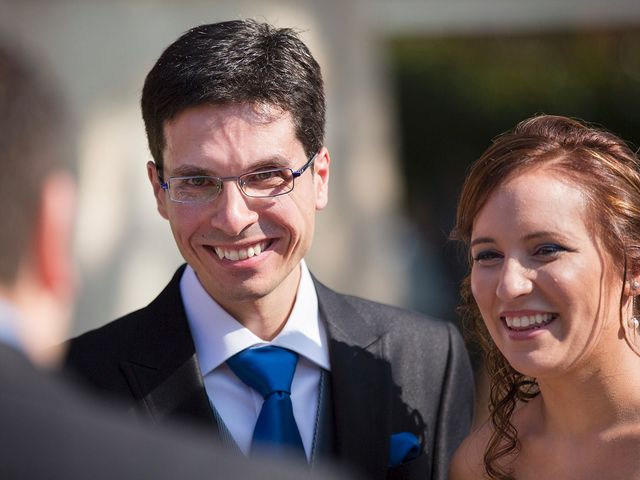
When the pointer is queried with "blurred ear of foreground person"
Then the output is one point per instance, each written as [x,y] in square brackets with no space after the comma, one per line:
[551,216]
[48,430]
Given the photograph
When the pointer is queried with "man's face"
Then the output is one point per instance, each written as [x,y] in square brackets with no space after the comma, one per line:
[261,240]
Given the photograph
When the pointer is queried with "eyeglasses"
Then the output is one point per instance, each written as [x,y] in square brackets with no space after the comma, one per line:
[261,184]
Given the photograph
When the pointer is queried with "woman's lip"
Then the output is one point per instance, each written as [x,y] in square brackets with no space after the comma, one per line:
[523,312]
[529,321]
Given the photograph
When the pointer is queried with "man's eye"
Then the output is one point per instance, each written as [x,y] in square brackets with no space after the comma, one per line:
[260,176]
[197,181]
[267,177]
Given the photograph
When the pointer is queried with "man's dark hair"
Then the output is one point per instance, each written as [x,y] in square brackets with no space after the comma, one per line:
[33,144]
[240,61]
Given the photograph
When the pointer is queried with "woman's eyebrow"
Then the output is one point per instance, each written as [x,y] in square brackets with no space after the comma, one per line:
[479,240]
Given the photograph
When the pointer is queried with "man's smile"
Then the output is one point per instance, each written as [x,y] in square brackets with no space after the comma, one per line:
[241,253]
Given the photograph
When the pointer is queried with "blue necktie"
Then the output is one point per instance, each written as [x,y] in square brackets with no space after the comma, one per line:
[269,371]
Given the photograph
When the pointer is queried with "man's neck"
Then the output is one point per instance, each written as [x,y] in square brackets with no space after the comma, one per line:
[266,316]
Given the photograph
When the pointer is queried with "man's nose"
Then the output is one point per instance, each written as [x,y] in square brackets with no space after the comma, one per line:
[233,211]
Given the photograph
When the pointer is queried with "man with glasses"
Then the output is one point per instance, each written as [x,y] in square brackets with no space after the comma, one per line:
[49,429]
[244,340]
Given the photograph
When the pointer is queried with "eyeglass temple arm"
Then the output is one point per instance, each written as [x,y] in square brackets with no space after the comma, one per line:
[302,169]
[164,185]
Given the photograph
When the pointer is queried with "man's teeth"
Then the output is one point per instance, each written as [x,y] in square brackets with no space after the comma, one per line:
[527,321]
[241,253]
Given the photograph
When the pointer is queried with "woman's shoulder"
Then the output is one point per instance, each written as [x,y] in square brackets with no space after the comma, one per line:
[468,460]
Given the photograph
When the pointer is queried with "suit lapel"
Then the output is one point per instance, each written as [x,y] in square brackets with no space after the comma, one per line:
[164,375]
[163,372]
[361,385]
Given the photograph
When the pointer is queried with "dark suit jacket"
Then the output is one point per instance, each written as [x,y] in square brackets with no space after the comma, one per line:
[50,431]
[391,371]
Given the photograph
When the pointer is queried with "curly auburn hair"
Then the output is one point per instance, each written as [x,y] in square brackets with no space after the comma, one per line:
[607,170]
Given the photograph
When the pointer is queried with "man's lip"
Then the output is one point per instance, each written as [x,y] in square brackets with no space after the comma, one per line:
[239,244]
[238,252]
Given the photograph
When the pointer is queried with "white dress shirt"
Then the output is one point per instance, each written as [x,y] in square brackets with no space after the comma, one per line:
[218,336]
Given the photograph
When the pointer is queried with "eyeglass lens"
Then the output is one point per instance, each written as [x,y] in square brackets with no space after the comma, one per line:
[266,183]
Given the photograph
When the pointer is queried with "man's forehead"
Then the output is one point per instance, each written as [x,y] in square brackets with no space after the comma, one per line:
[245,132]
[266,112]
[258,113]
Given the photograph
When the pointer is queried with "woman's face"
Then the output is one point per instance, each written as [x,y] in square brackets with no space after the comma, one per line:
[544,284]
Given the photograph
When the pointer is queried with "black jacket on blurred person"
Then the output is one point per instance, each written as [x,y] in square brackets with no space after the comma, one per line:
[49,431]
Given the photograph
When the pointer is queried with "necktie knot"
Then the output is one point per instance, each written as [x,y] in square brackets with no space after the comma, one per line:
[267,370]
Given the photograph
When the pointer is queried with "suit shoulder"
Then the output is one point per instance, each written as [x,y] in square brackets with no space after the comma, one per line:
[121,332]
[109,338]
[118,327]
[400,319]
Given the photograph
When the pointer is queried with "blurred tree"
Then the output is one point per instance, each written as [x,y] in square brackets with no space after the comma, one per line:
[456,94]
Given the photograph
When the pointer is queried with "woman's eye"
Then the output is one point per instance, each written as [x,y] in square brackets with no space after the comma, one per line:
[486,257]
[549,250]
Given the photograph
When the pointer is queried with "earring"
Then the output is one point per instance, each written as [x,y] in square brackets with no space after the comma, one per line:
[634,322]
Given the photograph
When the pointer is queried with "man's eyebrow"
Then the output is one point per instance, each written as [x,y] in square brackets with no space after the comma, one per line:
[190,171]
[275,161]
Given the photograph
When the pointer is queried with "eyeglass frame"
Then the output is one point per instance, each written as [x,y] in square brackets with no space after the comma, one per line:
[294,174]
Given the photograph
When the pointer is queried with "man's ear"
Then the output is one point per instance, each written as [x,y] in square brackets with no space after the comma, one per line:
[158,192]
[321,178]
[45,285]
[53,237]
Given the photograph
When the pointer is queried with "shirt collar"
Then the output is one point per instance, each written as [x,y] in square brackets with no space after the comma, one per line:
[217,336]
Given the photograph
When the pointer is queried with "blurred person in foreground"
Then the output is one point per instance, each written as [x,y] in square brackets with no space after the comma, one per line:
[47,429]
[235,117]
[551,215]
